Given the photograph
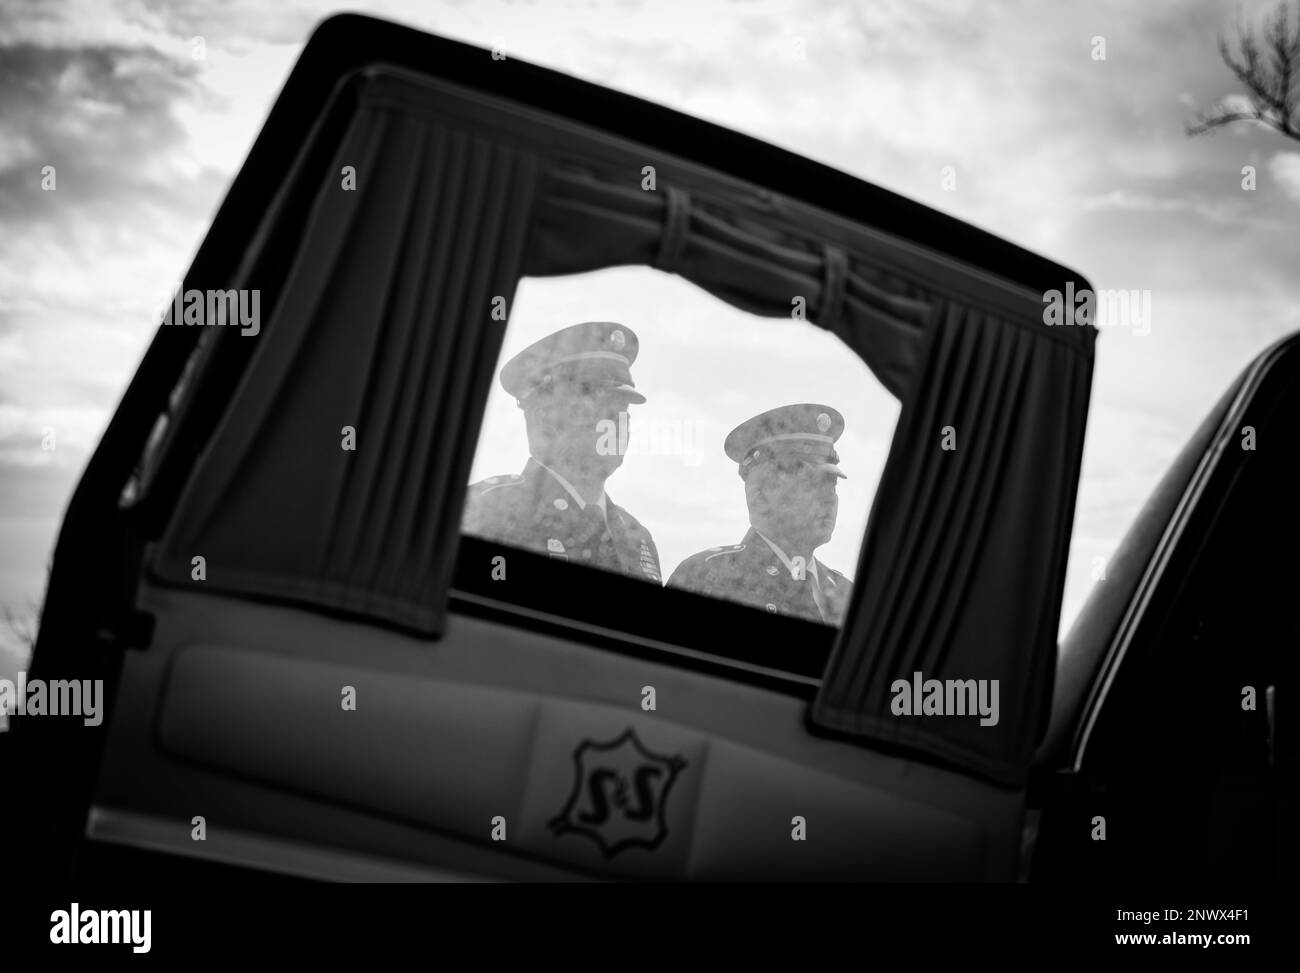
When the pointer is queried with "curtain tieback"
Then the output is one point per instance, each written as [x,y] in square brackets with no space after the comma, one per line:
[677,228]
[836,265]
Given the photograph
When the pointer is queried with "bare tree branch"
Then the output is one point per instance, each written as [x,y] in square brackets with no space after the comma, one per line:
[1269,79]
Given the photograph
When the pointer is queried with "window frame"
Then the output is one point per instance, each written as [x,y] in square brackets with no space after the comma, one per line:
[684,628]
[724,154]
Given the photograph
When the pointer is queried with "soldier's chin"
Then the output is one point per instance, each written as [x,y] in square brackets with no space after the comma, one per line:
[598,462]
[610,463]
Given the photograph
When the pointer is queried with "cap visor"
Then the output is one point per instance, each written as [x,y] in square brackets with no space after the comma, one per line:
[829,468]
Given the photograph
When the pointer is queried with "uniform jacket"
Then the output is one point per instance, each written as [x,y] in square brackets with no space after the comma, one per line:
[751,572]
[534,511]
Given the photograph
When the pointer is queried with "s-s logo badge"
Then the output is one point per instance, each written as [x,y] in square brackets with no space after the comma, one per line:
[620,794]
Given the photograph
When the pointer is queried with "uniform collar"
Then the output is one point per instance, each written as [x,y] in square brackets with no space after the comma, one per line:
[787,561]
[599,501]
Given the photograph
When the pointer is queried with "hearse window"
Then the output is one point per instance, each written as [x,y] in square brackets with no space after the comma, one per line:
[489,253]
[639,425]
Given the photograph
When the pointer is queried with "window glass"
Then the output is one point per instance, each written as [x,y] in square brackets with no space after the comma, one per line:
[637,383]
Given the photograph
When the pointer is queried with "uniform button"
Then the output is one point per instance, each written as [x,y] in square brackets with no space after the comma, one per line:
[587,553]
[771,607]
[561,503]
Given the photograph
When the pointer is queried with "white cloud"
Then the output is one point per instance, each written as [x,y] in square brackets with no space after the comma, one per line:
[14,352]
[15,149]
[239,85]
[1223,210]
[1285,170]
[74,431]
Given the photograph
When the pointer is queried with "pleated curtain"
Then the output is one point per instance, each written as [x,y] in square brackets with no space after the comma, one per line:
[384,325]
[963,567]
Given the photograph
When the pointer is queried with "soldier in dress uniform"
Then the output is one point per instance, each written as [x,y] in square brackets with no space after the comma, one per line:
[787,459]
[574,387]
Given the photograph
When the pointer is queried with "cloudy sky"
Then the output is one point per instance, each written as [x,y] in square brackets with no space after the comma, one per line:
[1084,160]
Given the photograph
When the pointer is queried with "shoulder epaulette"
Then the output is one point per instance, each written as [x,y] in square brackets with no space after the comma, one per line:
[720,551]
[492,482]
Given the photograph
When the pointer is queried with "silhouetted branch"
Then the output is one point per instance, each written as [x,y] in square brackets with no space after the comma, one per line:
[1268,75]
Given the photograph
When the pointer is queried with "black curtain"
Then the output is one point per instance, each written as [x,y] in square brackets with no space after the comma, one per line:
[384,324]
[963,567]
